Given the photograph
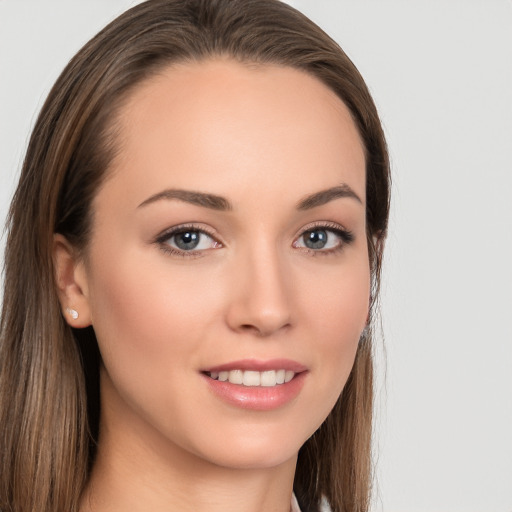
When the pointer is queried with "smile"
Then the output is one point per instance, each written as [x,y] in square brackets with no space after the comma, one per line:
[252,378]
[260,385]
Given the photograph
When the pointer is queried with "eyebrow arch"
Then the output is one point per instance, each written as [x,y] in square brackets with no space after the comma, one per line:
[324,196]
[198,198]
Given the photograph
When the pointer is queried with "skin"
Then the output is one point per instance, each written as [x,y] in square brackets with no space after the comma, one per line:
[263,138]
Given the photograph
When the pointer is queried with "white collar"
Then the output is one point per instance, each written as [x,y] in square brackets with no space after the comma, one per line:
[295,506]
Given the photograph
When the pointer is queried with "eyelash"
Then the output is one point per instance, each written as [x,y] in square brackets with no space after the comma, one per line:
[345,237]
[162,240]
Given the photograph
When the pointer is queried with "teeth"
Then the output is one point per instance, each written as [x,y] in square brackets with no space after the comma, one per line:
[236,377]
[268,378]
[253,378]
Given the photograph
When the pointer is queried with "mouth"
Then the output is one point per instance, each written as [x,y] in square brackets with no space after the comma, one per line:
[256,377]
[253,378]
[255,384]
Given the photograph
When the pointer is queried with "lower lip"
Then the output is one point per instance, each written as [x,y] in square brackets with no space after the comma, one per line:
[257,398]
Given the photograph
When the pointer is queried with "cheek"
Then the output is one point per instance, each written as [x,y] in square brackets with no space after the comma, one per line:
[338,301]
[339,310]
[150,320]
[141,308]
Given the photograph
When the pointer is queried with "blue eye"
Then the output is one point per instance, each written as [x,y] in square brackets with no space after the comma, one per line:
[182,240]
[187,240]
[324,239]
[316,239]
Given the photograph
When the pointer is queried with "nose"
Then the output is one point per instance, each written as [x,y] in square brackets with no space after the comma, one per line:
[260,301]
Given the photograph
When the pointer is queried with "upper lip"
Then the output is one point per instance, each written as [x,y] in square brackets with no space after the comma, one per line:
[259,365]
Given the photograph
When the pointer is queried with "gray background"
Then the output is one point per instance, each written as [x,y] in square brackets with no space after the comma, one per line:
[441,75]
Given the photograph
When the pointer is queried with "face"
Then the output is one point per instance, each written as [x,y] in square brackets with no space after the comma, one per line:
[229,254]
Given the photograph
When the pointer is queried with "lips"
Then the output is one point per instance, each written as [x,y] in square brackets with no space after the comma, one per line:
[254,384]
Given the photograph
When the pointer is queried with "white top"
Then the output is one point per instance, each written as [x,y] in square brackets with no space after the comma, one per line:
[295,505]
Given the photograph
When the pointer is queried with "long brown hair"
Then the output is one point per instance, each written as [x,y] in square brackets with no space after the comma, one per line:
[49,398]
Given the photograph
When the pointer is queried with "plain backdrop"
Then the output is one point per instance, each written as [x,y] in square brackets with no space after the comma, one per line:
[441,75]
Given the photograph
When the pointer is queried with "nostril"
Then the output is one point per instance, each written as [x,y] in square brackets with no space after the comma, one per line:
[263,329]
[252,328]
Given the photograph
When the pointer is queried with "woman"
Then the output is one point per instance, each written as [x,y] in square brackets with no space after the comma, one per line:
[192,268]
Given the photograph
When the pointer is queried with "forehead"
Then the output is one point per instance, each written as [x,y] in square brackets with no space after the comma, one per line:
[220,125]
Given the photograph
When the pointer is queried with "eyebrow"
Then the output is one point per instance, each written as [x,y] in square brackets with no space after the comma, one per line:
[220,203]
[198,198]
[325,196]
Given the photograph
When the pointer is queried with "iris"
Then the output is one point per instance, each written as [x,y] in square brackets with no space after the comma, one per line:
[315,239]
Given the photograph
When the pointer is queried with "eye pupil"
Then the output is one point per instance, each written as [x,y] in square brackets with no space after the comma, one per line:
[315,239]
[187,240]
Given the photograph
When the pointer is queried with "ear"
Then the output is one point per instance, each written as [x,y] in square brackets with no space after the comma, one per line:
[71,282]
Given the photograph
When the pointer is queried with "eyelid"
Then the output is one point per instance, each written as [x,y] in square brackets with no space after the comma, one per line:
[163,236]
[346,236]
[327,224]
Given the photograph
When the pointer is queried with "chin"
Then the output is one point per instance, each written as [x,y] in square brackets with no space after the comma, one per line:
[255,448]
[259,460]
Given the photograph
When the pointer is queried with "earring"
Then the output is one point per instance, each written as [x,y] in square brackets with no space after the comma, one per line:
[73,313]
